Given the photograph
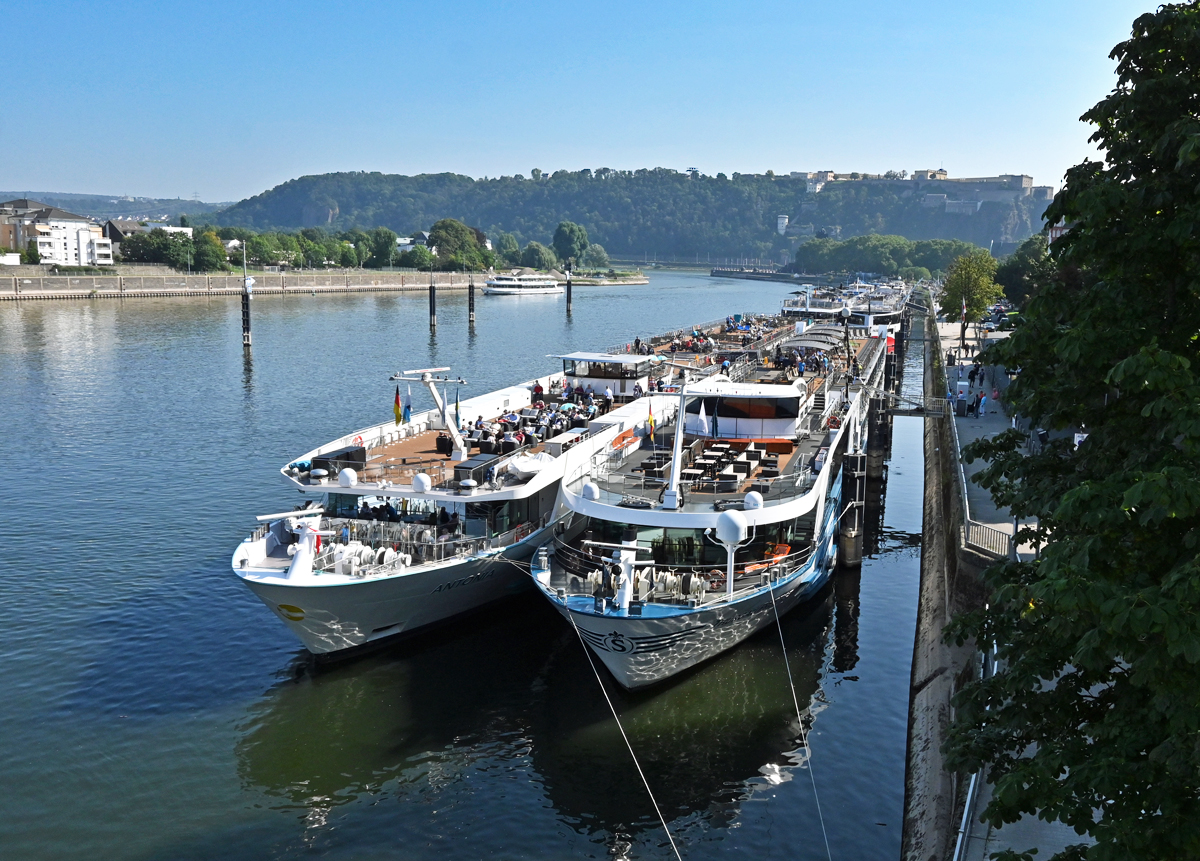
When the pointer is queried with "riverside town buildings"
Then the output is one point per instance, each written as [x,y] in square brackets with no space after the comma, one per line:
[60,237]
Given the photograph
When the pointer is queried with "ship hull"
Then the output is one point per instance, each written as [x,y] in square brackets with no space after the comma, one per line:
[346,614]
[643,650]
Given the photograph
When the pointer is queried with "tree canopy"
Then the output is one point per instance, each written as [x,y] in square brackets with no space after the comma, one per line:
[970,284]
[538,256]
[1022,270]
[459,247]
[570,241]
[634,212]
[1094,719]
[883,255]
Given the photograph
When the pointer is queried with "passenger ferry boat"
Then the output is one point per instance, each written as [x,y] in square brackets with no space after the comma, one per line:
[871,305]
[525,284]
[665,557]
[412,524]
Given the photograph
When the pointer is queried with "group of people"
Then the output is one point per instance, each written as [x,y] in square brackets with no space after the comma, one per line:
[803,359]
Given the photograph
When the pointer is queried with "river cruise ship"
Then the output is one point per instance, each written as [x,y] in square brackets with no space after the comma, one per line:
[524,284]
[411,524]
[673,551]
[871,305]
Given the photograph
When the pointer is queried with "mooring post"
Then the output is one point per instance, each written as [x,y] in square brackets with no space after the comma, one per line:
[854,496]
[471,301]
[877,417]
[432,302]
[568,287]
[246,290]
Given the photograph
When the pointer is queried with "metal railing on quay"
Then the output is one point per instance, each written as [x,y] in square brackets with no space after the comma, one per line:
[977,536]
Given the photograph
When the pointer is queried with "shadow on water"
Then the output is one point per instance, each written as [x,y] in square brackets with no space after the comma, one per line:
[518,689]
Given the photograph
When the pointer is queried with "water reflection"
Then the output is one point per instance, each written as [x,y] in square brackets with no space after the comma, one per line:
[515,690]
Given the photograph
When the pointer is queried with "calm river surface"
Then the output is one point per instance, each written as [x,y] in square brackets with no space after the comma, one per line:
[154,709]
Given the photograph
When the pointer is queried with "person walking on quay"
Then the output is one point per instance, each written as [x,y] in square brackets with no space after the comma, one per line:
[982,404]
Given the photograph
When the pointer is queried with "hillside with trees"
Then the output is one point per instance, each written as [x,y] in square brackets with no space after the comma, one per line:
[631,214]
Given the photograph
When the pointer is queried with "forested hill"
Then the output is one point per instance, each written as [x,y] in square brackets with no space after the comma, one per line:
[631,213]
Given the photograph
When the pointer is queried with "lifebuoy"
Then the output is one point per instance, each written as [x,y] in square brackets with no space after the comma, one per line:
[835,422]
[357,440]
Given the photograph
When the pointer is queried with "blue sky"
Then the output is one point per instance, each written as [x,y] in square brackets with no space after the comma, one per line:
[227,100]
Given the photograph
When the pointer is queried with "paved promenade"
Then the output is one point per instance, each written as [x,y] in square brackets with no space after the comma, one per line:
[1029,831]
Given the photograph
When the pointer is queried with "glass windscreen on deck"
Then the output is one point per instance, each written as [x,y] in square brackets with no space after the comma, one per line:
[605,370]
[747,408]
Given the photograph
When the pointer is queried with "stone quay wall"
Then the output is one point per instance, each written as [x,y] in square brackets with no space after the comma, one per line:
[132,286]
[951,583]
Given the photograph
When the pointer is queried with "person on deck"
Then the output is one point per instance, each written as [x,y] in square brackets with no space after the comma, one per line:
[608,398]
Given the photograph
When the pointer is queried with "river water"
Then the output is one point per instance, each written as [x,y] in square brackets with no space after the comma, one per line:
[154,709]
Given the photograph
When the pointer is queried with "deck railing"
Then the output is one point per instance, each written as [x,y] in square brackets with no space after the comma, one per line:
[747,576]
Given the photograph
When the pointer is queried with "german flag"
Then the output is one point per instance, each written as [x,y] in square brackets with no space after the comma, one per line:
[396,409]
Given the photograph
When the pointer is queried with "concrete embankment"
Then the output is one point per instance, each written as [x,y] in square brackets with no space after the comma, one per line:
[951,582]
[131,286]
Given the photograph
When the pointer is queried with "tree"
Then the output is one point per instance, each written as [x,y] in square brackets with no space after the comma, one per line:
[382,244]
[346,256]
[595,257]
[508,249]
[31,255]
[914,273]
[417,257]
[570,241]
[209,253]
[1099,635]
[970,284]
[1024,268]
[538,256]
[263,250]
[459,247]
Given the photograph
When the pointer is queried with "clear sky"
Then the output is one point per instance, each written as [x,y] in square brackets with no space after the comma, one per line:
[229,99]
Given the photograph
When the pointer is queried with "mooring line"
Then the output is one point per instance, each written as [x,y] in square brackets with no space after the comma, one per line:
[799,717]
[632,755]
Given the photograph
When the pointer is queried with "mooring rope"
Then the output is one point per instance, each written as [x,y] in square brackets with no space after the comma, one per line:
[799,717]
[632,755]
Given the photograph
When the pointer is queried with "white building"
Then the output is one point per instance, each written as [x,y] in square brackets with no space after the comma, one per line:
[781,225]
[72,243]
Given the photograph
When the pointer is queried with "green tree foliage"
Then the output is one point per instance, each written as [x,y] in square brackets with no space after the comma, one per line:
[508,249]
[158,246]
[459,247]
[883,255]
[570,241]
[914,273]
[417,257]
[631,213]
[971,281]
[264,250]
[1027,266]
[209,255]
[538,256]
[382,244]
[1099,635]
[30,255]
[595,257]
